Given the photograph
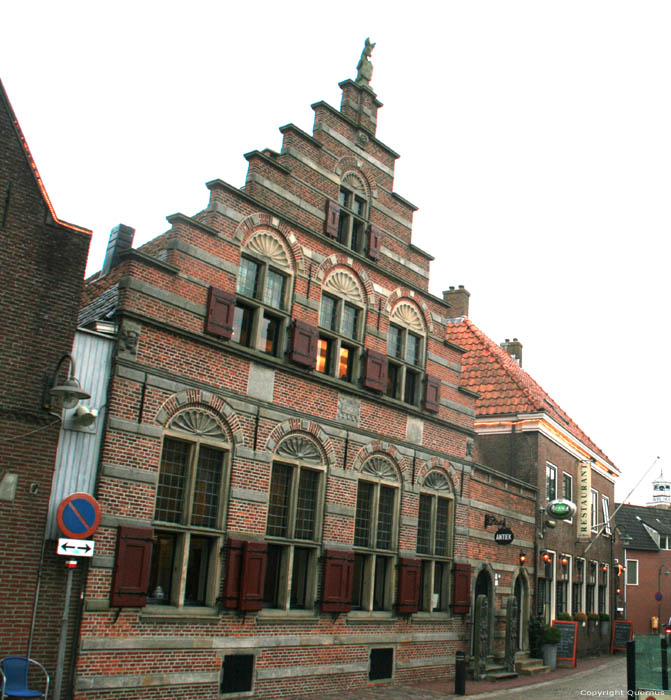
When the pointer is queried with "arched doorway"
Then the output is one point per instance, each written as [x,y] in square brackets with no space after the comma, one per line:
[483,586]
[521,593]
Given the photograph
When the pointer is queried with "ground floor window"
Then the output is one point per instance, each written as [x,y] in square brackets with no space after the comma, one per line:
[562,596]
[577,598]
[589,604]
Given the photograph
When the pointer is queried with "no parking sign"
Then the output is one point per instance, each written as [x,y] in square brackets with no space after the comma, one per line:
[78,516]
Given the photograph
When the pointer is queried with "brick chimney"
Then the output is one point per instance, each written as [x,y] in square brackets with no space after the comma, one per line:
[514,349]
[458,300]
[121,239]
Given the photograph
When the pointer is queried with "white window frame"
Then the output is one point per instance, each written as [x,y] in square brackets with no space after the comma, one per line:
[605,513]
[629,570]
[594,496]
[550,469]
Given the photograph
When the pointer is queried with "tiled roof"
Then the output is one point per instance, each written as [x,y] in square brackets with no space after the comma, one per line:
[631,519]
[503,387]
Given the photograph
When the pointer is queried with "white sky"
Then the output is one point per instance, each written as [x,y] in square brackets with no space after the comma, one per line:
[535,138]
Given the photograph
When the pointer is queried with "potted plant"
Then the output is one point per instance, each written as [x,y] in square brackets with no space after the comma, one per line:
[564,616]
[551,638]
[604,624]
[580,617]
[592,619]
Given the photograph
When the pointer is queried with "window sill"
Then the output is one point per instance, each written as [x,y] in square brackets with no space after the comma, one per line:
[431,618]
[366,617]
[166,613]
[271,615]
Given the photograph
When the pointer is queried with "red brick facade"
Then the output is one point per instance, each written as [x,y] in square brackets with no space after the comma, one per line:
[289,497]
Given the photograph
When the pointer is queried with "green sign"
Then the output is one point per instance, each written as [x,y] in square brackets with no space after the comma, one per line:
[562,509]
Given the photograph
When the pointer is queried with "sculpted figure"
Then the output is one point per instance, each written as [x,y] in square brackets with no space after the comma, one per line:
[365,67]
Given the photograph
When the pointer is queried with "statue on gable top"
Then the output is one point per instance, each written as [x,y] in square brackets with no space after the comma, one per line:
[365,67]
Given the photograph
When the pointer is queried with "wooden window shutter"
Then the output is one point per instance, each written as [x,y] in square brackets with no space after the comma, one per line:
[374,242]
[461,601]
[219,315]
[410,571]
[231,593]
[375,371]
[303,346]
[337,582]
[332,219]
[253,575]
[432,393]
[130,579]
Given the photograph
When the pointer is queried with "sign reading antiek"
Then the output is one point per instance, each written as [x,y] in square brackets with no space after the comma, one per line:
[584,499]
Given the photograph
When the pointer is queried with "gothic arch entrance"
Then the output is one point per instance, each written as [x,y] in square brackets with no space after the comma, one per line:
[483,587]
[521,594]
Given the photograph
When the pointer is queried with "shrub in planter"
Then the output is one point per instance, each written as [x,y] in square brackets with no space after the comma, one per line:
[564,616]
[551,635]
[592,617]
[604,617]
[580,617]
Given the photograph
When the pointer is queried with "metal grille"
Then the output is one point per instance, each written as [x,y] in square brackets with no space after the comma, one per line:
[249,271]
[385,517]
[278,507]
[306,505]
[362,522]
[207,487]
[442,527]
[171,481]
[424,524]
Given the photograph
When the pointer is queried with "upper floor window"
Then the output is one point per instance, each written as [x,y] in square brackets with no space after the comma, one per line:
[434,541]
[293,527]
[260,315]
[188,515]
[632,572]
[567,487]
[341,322]
[595,509]
[353,214]
[605,512]
[405,351]
[550,482]
[375,535]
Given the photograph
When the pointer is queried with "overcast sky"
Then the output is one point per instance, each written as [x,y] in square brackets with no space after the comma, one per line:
[535,138]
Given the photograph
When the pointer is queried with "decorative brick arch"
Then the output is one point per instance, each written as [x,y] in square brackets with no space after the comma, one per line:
[409,294]
[298,425]
[402,464]
[360,275]
[253,222]
[203,399]
[349,164]
[436,464]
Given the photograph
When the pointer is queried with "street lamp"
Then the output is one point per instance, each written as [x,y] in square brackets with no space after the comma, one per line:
[659,594]
[69,393]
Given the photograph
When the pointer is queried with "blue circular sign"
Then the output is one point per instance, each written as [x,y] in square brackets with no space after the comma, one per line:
[78,516]
[658,596]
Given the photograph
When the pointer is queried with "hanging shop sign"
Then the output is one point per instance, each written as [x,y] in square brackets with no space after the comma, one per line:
[504,535]
[561,509]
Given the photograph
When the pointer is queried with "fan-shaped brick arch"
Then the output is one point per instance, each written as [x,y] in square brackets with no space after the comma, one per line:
[386,450]
[205,399]
[297,425]
[360,275]
[398,294]
[349,164]
[252,223]
[436,464]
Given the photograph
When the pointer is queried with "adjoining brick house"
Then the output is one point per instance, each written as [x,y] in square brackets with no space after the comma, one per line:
[523,432]
[647,559]
[289,497]
[42,261]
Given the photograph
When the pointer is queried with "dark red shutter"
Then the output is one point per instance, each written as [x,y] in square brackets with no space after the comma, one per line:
[409,575]
[375,371]
[130,579]
[461,600]
[337,582]
[253,575]
[303,346]
[231,594]
[374,242]
[332,219]
[220,310]
[432,393]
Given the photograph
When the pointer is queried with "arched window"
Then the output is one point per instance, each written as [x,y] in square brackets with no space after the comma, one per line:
[189,511]
[353,213]
[263,289]
[341,321]
[294,524]
[406,346]
[376,534]
[435,536]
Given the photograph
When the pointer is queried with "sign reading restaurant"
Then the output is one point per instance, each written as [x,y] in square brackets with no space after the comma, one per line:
[584,499]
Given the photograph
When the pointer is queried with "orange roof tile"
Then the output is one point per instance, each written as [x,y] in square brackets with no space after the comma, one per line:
[503,387]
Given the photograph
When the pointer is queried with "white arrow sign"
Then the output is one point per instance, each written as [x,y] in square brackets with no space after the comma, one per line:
[75,548]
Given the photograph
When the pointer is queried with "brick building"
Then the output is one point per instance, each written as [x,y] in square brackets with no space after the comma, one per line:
[42,262]
[523,432]
[289,497]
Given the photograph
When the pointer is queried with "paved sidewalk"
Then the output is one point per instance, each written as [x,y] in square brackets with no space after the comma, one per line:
[482,689]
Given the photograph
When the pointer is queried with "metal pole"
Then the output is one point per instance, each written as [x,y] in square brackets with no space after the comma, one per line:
[631,669]
[60,663]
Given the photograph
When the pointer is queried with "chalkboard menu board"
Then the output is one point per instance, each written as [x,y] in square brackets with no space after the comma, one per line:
[623,631]
[568,645]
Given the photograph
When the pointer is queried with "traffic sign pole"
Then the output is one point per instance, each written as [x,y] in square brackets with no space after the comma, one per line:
[60,663]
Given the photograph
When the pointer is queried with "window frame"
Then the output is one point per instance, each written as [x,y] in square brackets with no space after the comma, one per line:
[631,570]
[183,531]
[594,504]
[399,369]
[286,546]
[550,482]
[333,338]
[349,218]
[259,309]
[431,560]
[370,558]
[605,513]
